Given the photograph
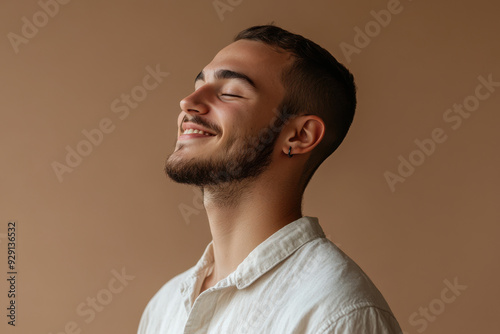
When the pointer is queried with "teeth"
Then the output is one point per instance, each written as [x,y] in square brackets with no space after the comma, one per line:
[189,131]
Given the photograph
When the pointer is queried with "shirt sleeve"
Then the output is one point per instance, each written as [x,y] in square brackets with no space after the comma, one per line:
[366,320]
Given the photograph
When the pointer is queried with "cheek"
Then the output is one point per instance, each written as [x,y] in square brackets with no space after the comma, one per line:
[243,121]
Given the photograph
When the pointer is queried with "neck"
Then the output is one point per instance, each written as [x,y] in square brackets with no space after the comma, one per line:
[244,214]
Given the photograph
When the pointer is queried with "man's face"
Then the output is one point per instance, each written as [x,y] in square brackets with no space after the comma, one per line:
[236,96]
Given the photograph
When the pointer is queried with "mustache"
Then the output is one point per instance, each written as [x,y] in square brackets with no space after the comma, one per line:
[195,119]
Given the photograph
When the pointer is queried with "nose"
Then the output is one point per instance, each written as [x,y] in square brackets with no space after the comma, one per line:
[194,103]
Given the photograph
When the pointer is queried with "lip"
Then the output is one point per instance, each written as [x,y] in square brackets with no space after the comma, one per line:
[192,136]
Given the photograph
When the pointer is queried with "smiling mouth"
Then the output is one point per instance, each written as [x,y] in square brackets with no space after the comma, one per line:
[194,133]
[190,131]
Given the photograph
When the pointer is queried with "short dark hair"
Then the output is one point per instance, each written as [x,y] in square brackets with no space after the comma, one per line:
[316,83]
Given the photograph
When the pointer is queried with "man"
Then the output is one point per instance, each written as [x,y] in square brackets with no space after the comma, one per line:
[265,113]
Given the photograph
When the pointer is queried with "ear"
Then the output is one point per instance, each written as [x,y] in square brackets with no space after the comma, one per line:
[303,134]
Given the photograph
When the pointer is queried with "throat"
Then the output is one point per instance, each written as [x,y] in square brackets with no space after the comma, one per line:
[207,283]
[225,195]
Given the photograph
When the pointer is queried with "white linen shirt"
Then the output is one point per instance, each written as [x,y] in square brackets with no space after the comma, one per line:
[295,282]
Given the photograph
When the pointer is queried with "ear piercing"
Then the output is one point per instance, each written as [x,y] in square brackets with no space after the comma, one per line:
[290,150]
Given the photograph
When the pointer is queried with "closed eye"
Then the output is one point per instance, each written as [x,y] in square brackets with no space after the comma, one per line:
[232,95]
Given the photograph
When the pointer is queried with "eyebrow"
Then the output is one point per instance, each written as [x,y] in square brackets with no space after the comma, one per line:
[227,74]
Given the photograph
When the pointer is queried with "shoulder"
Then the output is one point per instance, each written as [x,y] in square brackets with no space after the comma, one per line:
[337,291]
[368,319]
[168,291]
[165,301]
[332,270]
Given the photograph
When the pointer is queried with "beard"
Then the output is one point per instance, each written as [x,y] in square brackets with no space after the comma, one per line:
[241,159]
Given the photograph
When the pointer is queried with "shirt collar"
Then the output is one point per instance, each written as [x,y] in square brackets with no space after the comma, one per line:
[263,258]
[276,248]
[192,283]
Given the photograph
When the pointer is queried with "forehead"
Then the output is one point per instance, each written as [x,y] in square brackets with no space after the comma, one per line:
[257,60]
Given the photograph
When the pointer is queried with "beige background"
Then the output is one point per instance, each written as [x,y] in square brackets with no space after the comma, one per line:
[117,209]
